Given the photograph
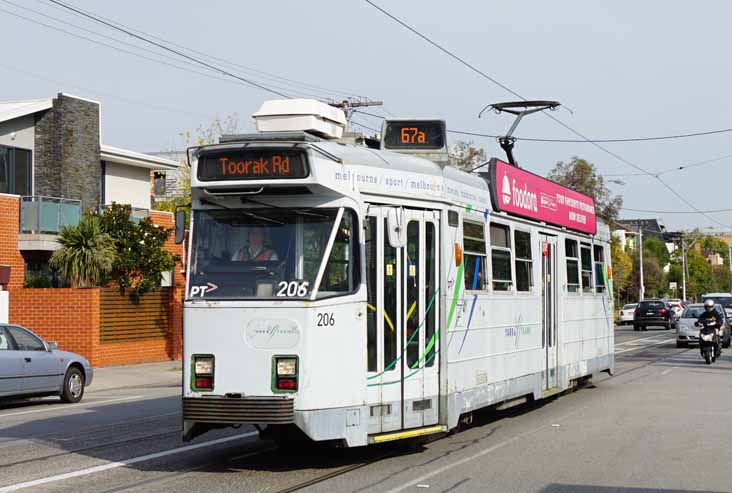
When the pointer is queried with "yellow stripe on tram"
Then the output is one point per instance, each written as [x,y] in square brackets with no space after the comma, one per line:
[388,437]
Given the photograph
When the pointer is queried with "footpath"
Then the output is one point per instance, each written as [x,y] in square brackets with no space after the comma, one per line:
[151,375]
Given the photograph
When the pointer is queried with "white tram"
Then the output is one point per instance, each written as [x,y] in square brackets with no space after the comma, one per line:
[356,291]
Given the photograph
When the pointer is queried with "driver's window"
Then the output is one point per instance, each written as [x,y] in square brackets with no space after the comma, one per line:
[4,340]
[25,340]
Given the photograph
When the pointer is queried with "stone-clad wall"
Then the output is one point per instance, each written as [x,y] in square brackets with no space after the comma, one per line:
[67,154]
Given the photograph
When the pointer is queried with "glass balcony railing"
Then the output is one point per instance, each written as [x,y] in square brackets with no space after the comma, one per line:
[47,215]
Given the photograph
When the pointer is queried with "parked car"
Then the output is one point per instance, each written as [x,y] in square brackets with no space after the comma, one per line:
[724,299]
[687,333]
[32,367]
[677,308]
[627,313]
[653,312]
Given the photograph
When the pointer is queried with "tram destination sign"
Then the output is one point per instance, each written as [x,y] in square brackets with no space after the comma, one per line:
[417,134]
[525,194]
[252,164]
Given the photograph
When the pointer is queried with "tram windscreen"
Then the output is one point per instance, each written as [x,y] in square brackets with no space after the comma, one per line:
[272,253]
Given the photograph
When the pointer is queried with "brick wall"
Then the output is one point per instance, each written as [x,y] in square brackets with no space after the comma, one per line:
[9,254]
[67,316]
[70,317]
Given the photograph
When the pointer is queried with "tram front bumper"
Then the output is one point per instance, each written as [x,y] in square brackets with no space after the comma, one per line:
[201,414]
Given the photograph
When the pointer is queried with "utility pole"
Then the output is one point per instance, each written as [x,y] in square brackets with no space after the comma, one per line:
[642,290]
[683,269]
[729,255]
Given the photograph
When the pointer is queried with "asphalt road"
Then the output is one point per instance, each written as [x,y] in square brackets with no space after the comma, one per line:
[660,424]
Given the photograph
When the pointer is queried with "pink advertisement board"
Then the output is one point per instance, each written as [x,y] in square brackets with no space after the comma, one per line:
[522,193]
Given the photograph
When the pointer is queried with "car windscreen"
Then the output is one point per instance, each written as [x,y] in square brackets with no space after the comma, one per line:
[693,312]
[651,305]
[629,307]
[725,301]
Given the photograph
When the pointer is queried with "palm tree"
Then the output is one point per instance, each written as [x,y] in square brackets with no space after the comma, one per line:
[87,254]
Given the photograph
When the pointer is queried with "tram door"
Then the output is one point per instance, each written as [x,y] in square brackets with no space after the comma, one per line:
[402,336]
[549,308]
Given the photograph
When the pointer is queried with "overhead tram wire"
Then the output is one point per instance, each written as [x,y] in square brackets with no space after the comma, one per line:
[677,168]
[674,212]
[555,119]
[177,52]
[578,141]
[123,50]
[261,73]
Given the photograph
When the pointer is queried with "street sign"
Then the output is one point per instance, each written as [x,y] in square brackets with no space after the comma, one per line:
[673,285]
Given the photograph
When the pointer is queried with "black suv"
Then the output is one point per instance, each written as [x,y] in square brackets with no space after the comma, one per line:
[653,312]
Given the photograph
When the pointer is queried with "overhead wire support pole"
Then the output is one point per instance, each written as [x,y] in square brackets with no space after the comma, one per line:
[642,288]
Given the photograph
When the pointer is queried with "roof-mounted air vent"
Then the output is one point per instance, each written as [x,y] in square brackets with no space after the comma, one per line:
[308,115]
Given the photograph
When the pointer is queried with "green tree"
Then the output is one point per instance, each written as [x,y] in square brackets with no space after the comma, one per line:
[87,253]
[622,266]
[657,249]
[141,257]
[654,280]
[581,176]
[463,155]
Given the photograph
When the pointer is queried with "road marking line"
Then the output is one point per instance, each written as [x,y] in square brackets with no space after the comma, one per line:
[640,339]
[115,465]
[495,447]
[646,346]
[666,372]
[64,407]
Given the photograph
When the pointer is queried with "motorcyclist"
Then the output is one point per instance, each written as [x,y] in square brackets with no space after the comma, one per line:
[710,314]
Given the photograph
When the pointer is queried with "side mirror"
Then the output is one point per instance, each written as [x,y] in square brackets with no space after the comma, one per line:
[697,324]
[51,346]
[180,225]
[397,228]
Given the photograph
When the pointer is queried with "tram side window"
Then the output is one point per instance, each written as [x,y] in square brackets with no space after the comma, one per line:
[501,257]
[599,269]
[586,258]
[524,274]
[572,255]
[475,255]
[342,273]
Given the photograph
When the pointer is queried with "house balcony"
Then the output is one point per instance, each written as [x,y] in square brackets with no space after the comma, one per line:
[41,220]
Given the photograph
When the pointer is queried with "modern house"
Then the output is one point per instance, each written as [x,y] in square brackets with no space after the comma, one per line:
[54,166]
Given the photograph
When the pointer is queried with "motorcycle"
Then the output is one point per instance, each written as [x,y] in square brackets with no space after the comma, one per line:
[709,344]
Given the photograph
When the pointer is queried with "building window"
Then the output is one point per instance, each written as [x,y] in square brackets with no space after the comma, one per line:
[501,257]
[159,183]
[586,257]
[572,255]
[15,171]
[599,269]
[524,275]
[475,255]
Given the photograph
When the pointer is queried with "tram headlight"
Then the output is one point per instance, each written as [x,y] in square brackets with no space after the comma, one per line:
[286,367]
[204,366]
[285,374]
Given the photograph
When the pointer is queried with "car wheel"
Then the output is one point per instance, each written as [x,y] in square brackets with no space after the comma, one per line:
[73,389]
[680,344]
[726,343]
[636,327]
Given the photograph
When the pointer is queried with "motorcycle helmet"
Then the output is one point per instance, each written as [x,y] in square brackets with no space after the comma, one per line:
[709,305]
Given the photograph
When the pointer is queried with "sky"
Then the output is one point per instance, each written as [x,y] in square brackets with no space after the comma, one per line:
[621,69]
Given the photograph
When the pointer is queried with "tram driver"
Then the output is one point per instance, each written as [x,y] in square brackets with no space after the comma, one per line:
[256,248]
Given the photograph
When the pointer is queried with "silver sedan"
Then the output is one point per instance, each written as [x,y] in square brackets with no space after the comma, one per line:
[31,367]
[687,333]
